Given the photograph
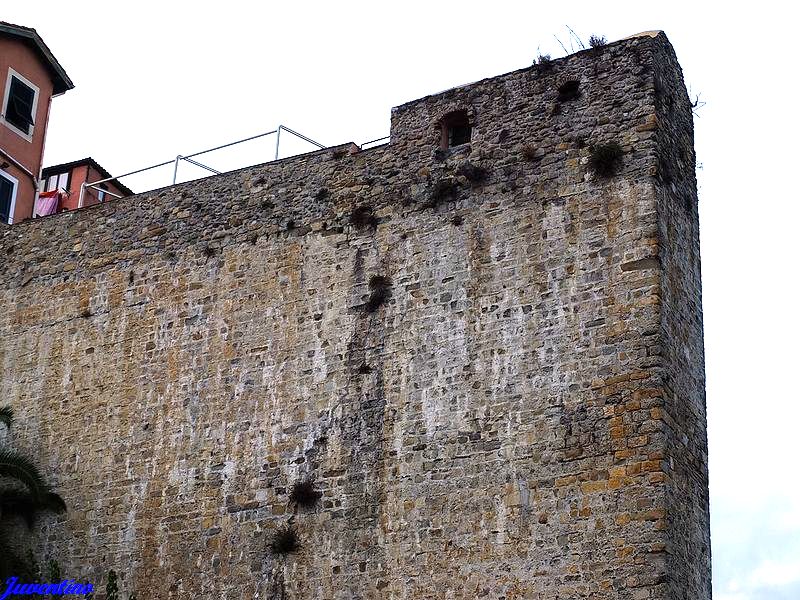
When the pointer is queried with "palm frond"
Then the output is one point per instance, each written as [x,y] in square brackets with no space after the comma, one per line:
[21,468]
[15,502]
[54,503]
[6,416]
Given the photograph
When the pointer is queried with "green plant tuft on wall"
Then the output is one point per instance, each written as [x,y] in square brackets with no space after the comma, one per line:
[379,286]
[472,172]
[362,218]
[442,190]
[285,540]
[606,159]
[597,41]
[304,494]
[543,62]
[569,91]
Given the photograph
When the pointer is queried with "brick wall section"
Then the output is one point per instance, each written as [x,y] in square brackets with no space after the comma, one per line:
[507,425]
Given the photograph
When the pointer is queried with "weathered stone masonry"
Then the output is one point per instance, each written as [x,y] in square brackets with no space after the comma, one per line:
[523,417]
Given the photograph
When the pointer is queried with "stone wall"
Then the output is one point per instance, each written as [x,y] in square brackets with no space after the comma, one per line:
[683,387]
[521,417]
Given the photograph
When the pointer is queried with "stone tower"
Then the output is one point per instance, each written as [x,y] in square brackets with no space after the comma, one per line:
[481,343]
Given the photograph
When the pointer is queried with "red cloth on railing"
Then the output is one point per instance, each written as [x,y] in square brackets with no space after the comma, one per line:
[47,203]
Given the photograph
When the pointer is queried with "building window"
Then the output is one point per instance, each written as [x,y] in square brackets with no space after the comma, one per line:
[456,129]
[8,196]
[19,104]
[57,182]
[101,193]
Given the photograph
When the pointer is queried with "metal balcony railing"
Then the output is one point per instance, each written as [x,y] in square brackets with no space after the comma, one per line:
[189,158]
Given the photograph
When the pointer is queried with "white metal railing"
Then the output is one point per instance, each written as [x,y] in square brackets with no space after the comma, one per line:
[190,159]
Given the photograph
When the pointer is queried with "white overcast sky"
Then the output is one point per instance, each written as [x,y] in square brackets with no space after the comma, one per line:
[157,79]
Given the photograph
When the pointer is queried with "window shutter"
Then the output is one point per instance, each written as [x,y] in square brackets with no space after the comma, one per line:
[19,111]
